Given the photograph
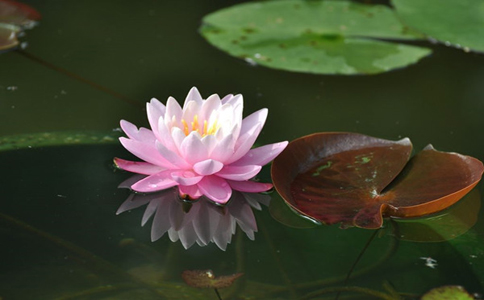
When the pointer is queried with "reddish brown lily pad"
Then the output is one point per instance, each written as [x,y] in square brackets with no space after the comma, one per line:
[206,279]
[14,18]
[357,180]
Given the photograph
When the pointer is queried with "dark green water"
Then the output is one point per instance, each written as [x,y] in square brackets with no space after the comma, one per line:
[60,235]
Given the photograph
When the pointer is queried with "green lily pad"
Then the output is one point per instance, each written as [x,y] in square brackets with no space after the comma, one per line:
[450,292]
[45,139]
[323,37]
[454,22]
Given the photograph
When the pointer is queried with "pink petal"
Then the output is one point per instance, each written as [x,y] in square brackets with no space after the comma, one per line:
[155,182]
[193,95]
[172,156]
[191,190]
[249,186]
[137,166]
[146,152]
[192,148]
[142,135]
[244,143]
[215,188]
[262,155]
[164,135]
[155,109]
[239,173]
[208,167]
[186,177]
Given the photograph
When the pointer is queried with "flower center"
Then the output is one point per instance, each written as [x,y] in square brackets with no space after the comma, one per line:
[204,130]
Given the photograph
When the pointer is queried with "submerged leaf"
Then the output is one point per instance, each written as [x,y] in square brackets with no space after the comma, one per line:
[442,226]
[449,292]
[206,279]
[357,180]
[324,37]
[285,215]
[454,22]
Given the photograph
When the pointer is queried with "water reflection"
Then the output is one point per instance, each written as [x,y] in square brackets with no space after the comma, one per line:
[201,221]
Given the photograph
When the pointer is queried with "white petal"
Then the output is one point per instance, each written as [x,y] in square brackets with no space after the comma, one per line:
[257,118]
[244,143]
[172,156]
[209,106]
[224,149]
[192,149]
[155,109]
[193,95]
[173,109]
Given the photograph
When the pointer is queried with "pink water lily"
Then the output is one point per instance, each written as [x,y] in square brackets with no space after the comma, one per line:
[204,147]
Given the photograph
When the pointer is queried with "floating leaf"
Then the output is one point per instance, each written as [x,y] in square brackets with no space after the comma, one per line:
[449,292]
[206,279]
[14,17]
[324,37]
[456,22]
[8,36]
[442,226]
[16,13]
[357,180]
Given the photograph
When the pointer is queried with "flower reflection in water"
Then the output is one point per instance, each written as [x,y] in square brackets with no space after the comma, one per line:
[200,221]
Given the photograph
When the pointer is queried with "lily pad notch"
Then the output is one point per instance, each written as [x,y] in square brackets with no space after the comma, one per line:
[358,180]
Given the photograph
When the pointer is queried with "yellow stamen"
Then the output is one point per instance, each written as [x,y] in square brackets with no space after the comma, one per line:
[204,133]
[185,126]
[195,124]
[213,128]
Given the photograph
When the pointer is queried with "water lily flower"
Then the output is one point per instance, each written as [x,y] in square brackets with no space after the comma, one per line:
[200,222]
[204,147]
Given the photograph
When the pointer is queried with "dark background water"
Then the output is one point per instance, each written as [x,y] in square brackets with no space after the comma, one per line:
[128,52]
